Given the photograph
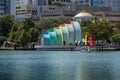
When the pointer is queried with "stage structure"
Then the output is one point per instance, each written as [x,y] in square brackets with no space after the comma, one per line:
[65,34]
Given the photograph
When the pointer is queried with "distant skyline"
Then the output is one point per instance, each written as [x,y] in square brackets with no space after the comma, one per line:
[9,6]
[114,4]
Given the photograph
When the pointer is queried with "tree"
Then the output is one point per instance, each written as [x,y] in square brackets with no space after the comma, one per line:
[6,23]
[57,4]
[45,24]
[99,28]
[2,39]
[34,34]
[116,29]
[13,31]
[24,32]
[117,25]
[115,39]
[28,23]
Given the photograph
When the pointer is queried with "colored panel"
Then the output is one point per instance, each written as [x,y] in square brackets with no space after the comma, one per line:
[42,40]
[58,37]
[46,37]
[71,33]
[52,37]
[65,35]
[85,40]
[78,32]
[74,30]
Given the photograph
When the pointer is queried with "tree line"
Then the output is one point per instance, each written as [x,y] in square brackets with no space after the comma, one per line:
[102,30]
[25,31]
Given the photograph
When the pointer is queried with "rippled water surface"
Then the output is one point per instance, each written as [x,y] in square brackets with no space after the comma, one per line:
[59,65]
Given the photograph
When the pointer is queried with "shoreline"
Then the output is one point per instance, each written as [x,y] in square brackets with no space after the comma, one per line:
[59,49]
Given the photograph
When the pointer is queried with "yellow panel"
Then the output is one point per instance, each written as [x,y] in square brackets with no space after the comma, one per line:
[67,33]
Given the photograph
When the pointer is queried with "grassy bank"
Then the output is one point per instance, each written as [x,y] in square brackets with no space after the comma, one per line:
[17,48]
[6,48]
[26,48]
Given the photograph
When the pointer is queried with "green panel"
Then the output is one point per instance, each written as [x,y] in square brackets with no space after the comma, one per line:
[71,33]
[77,30]
[58,37]
[52,37]
[65,35]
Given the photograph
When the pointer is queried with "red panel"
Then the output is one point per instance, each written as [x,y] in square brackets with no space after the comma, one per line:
[74,30]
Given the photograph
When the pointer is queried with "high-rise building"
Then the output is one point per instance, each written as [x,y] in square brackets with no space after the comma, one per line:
[23,2]
[13,7]
[114,4]
[2,7]
[35,2]
[25,11]
[98,3]
[41,3]
[60,0]
[82,2]
[5,7]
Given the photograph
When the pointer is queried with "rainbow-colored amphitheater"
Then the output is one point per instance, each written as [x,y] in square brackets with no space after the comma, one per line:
[68,32]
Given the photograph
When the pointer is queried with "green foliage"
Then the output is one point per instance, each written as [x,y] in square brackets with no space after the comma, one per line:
[57,4]
[117,25]
[13,31]
[24,32]
[2,39]
[6,23]
[115,38]
[28,23]
[99,28]
[45,24]
[116,29]
[34,34]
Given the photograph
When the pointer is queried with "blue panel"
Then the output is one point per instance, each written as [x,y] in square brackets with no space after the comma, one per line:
[77,30]
[42,40]
[52,38]
[46,37]
[71,33]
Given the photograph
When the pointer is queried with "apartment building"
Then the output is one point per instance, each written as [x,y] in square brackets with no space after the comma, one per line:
[25,11]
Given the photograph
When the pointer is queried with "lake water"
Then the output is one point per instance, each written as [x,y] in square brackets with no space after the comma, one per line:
[59,65]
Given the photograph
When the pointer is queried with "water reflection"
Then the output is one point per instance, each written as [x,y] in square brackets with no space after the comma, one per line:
[96,71]
[59,67]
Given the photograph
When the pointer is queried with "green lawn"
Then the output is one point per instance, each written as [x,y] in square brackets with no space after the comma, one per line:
[6,48]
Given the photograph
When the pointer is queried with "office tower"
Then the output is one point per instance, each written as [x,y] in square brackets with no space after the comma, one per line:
[7,6]
[40,3]
[99,3]
[114,4]
[35,2]
[4,7]
[2,12]
[82,2]
[13,7]
[23,2]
